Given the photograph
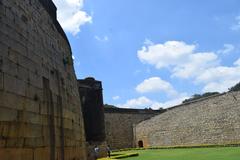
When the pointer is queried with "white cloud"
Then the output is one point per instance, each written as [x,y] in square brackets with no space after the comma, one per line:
[141,102]
[179,56]
[148,42]
[202,67]
[144,102]
[236,26]
[237,62]
[196,64]
[174,102]
[156,84]
[219,78]
[167,54]
[227,48]
[71,16]
[103,39]
[116,97]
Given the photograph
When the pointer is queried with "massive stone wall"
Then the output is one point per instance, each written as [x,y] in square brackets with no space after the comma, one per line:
[40,113]
[119,125]
[90,91]
[91,97]
[213,120]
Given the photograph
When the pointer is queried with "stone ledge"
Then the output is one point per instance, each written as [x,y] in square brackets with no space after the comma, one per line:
[132,111]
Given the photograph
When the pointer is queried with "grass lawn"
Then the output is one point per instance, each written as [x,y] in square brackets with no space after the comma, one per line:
[222,153]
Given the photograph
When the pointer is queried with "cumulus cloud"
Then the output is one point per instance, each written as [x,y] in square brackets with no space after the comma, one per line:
[237,62]
[196,64]
[183,59]
[219,78]
[71,16]
[164,55]
[156,84]
[227,48]
[116,97]
[141,102]
[184,62]
[236,26]
[144,102]
[103,39]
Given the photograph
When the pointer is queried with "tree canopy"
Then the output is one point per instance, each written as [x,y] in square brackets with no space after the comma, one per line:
[198,96]
[236,87]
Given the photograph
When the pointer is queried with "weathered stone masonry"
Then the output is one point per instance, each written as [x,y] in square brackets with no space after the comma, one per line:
[90,91]
[40,111]
[119,124]
[213,120]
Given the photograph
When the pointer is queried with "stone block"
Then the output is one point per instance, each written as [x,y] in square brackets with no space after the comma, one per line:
[2,142]
[42,153]
[27,63]
[1,81]
[14,85]
[34,93]
[7,114]
[10,100]
[30,117]
[4,50]
[34,142]
[13,55]
[9,67]
[14,142]
[16,154]
[35,80]
[23,73]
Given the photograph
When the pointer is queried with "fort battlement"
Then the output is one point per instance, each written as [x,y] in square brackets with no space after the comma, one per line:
[211,120]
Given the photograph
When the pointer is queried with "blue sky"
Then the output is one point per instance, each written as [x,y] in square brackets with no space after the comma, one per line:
[154,53]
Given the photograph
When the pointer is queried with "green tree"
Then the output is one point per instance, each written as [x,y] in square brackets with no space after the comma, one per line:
[236,87]
[198,96]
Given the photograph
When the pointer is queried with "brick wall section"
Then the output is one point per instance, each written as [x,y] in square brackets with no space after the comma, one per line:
[40,113]
[214,120]
[119,125]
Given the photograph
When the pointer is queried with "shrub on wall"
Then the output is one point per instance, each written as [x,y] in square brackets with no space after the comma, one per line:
[235,87]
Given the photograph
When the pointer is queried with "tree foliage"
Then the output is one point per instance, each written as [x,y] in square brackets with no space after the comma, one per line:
[235,87]
[198,96]
[109,106]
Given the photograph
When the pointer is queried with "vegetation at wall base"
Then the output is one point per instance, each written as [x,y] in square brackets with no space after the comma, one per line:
[237,144]
[202,153]
[120,155]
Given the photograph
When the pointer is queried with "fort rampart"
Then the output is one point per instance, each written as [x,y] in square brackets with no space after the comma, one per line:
[40,111]
[119,124]
[213,120]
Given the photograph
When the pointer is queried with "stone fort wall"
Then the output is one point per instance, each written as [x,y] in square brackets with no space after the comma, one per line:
[119,124]
[40,111]
[213,120]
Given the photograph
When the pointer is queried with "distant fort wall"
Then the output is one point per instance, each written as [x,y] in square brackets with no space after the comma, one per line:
[119,124]
[40,110]
[212,120]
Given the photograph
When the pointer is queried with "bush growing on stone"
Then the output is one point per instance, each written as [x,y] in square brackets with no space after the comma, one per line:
[198,96]
[235,87]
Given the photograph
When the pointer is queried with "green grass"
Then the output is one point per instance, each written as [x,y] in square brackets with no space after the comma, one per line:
[221,153]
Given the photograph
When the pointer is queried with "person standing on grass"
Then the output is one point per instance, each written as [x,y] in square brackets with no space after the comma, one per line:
[96,152]
[108,151]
